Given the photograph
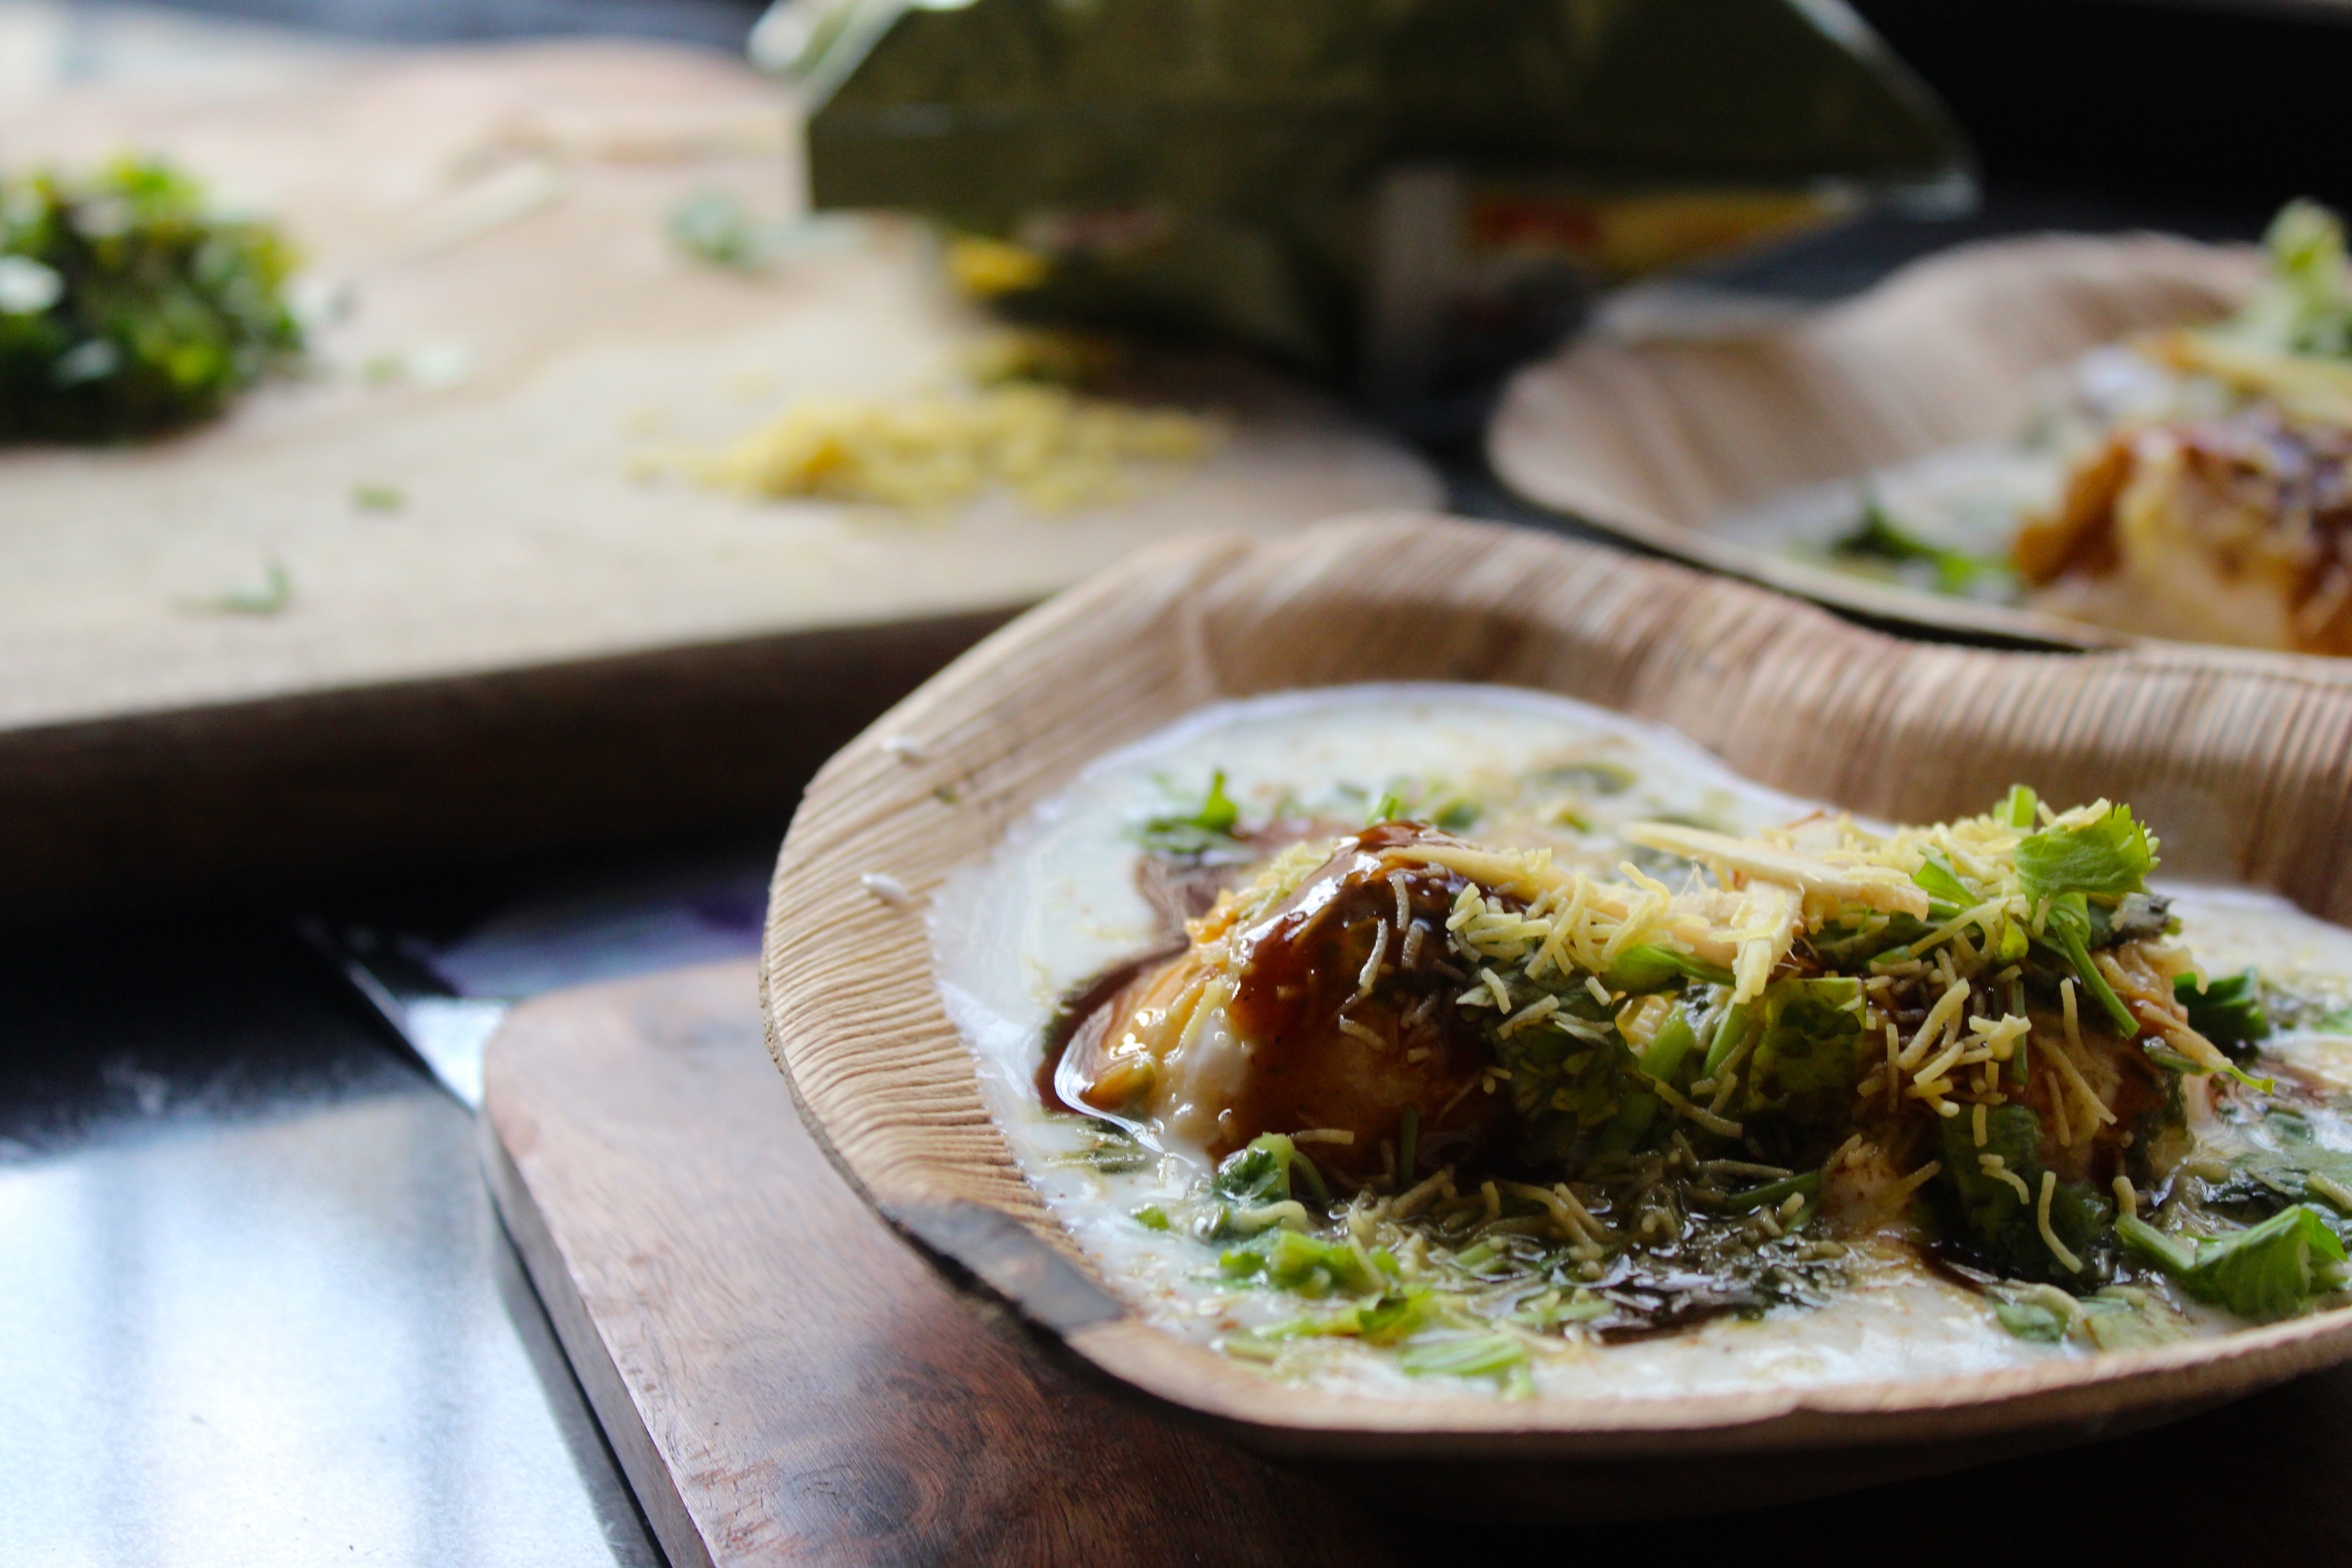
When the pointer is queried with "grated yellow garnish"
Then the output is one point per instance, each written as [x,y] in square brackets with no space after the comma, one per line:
[2067,1260]
[1994,1165]
[1056,450]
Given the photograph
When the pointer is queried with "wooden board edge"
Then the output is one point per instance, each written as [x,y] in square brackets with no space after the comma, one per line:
[592,1361]
[279,793]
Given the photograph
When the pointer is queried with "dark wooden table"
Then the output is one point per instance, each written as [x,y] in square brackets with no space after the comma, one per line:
[785,1381]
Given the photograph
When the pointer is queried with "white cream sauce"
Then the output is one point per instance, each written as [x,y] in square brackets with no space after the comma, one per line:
[1057,904]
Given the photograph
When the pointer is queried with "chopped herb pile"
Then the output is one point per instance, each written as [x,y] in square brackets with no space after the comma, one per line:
[127,309]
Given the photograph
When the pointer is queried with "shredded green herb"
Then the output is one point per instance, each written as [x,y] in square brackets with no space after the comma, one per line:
[2108,856]
[2265,1271]
[2067,867]
[2228,1011]
[1208,828]
[1492,1355]
[128,308]
[1877,538]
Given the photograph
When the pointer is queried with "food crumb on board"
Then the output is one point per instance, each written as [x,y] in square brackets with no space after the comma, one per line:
[888,889]
[275,594]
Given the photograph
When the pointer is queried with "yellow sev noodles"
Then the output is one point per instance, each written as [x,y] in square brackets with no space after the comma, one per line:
[1055,449]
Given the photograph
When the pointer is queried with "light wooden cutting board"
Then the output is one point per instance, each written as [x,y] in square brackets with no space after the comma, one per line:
[516,332]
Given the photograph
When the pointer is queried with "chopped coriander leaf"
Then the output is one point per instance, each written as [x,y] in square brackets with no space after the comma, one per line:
[2228,1011]
[1879,538]
[1646,967]
[1261,1173]
[1661,1061]
[1944,885]
[1113,1153]
[2069,929]
[2132,915]
[1293,1261]
[1208,828]
[1808,1054]
[1459,817]
[2265,1271]
[1730,1033]
[2034,1320]
[1604,778]
[2108,857]
[1300,1165]
[1989,1193]
[1580,1308]
[127,307]
[1389,1320]
[1466,1355]
[2286,1157]
[2304,306]
[1395,1318]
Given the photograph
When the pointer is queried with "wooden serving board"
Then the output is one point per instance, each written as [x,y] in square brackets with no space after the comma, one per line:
[785,1381]
[782,1378]
[465,491]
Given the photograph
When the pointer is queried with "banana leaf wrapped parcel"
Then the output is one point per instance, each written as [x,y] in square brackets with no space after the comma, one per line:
[1400,193]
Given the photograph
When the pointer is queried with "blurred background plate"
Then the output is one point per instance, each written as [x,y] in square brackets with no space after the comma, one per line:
[1665,430]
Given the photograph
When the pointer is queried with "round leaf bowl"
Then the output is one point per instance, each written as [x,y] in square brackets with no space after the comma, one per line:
[2241,767]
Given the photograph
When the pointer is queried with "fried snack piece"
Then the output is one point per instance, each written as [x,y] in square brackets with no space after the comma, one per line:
[1320,1011]
[2230,530]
